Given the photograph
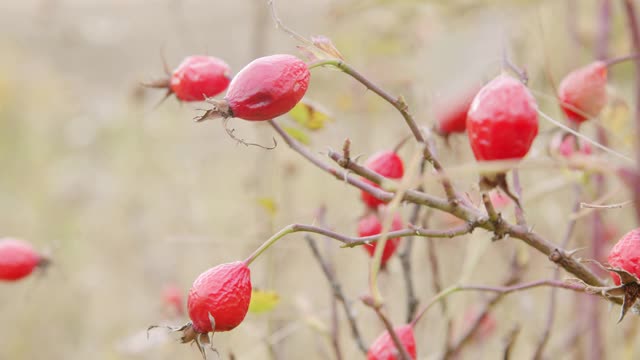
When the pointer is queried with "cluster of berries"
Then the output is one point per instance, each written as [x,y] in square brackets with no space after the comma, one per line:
[500,120]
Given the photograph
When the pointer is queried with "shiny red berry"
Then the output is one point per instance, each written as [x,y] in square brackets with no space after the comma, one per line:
[387,164]
[583,92]
[625,255]
[222,293]
[383,347]
[451,116]
[264,89]
[502,121]
[18,259]
[200,77]
[370,225]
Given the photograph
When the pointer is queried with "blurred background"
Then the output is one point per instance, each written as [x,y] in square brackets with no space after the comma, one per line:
[128,199]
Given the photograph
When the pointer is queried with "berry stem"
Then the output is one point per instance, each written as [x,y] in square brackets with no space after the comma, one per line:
[620,59]
[272,240]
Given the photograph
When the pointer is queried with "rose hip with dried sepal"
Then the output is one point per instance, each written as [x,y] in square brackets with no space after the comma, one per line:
[502,121]
[383,348]
[218,301]
[264,89]
[223,293]
[387,164]
[501,125]
[18,259]
[625,255]
[583,92]
[370,225]
[197,78]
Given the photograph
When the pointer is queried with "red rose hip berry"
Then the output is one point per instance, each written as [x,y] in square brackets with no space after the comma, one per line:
[383,347]
[222,293]
[370,225]
[387,164]
[200,77]
[264,89]
[625,255]
[502,121]
[583,92]
[18,259]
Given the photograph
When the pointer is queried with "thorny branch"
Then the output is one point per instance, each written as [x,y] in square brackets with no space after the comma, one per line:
[486,218]
[473,216]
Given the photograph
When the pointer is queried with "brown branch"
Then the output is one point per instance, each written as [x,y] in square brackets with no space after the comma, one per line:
[402,350]
[517,188]
[510,341]
[338,294]
[513,276]
[413,196]
[402,107]
[405,260]
[634,31]
[544,338]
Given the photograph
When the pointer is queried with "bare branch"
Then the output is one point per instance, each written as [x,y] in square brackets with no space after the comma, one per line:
[336,288]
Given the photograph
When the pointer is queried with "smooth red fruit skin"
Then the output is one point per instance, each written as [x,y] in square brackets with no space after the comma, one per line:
[452,117]
[17,259]
[387,164]
[584,89]
[268,87]
[371,225]
[625,255]
[383,347]
[502,121]
[224,292]
[200,77]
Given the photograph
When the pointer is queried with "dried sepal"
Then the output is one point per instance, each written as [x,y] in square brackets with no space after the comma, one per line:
[190,335]
[629,288]
[326,45]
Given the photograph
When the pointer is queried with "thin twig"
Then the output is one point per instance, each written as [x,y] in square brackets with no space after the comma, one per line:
[402,107]
[610,206]
[634,30]
[544,337]
[402,350]
[510,341]
[405,260]
[462,211]
[336,288]
[517,188]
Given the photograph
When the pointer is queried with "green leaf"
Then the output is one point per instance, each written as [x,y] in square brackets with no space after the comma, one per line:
[263,301]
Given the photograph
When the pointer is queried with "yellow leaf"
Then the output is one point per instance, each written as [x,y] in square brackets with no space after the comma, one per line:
[263,301]
[310,115]
[616,117]
[297,134]
[269,205]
